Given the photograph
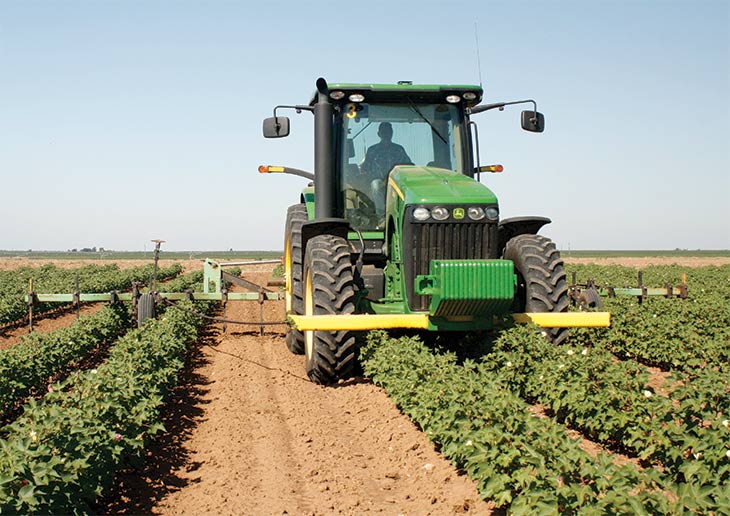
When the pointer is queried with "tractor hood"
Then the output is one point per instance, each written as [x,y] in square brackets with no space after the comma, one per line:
[431,185]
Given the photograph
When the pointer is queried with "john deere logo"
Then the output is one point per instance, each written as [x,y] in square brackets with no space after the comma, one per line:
[458,213]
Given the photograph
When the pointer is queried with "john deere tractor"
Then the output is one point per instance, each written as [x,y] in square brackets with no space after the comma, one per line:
[395,229]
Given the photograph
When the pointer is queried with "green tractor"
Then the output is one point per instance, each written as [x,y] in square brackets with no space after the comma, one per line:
[395,229]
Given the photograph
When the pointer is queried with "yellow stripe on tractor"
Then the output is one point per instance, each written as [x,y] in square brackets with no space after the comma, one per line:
[421,321]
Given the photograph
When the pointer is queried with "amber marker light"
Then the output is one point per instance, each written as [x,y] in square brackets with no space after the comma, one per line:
[492,168]
[267,169]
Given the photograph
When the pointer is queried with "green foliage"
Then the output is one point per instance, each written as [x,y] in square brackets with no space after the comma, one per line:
[64,450]
[478,412]
[522,462]
[27,366]
[669,333]
[610,402]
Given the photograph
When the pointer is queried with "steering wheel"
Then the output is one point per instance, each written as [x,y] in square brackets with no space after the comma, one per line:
[363,214]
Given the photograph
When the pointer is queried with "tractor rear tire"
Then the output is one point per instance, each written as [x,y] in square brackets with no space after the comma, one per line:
[296,215]
[329,289]
[541,285]
[145,308]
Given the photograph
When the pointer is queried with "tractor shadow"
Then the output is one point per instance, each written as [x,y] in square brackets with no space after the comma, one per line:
[465,345]
[145,481]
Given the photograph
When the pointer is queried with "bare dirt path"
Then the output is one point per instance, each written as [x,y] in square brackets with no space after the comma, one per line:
[45,323]
[251,435]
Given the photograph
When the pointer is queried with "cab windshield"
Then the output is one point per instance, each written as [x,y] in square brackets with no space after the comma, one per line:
[378,137]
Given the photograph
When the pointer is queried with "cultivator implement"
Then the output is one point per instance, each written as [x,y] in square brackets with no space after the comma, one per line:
[588,295]
[214,289]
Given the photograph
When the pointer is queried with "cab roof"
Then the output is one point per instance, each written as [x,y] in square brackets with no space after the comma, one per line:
[417,93]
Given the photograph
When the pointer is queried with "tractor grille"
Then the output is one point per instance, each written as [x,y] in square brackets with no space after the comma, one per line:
[426,241]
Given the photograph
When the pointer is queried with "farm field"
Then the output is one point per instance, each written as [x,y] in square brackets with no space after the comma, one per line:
[621,420]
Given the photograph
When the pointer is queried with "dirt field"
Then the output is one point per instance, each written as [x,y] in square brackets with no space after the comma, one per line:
[14,263]
[643,261]
[193,265]
[249,434]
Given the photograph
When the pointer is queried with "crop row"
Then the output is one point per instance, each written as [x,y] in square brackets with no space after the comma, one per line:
[28,366]
[672,334]
[522,462]
[669,333]
[686,434]
[50,279]
[65,449]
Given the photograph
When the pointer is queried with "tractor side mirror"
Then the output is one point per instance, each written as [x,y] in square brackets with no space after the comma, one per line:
[276,127]
[533,121]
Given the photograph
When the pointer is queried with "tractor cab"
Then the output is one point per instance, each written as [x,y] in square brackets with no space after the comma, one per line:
[399,129]
[380,126]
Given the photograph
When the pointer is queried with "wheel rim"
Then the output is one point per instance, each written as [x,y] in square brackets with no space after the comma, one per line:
[308,310]
[287,275]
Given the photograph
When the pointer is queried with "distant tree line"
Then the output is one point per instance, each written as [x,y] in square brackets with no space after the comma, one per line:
[86,250]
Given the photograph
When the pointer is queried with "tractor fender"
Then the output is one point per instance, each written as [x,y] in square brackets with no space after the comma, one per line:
[327,226]
[509,228]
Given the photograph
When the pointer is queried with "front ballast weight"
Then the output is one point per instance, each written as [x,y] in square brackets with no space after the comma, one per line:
[143,303]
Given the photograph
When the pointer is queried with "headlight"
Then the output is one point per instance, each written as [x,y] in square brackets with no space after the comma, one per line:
[421,213]
[356,97]
[453,99]
[440,213]
[492,213]
[475,213]
[469,95]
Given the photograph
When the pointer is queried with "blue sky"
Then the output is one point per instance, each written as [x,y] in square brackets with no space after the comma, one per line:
[123,121]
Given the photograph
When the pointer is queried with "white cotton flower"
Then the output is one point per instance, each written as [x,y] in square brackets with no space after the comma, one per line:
[560,366]
[93,371]
[570,352]
[725,423]
[508,364]
[727,454]
[33,436]
[469,443]
[584,352]
[647,394]
[697,455]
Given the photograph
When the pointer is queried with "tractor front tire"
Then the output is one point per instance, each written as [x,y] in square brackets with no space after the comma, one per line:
[329,289]
[541,285]
[296,215]
[145,308]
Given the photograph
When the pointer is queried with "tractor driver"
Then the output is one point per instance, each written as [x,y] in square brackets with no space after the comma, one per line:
[379,161]
[383,156]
